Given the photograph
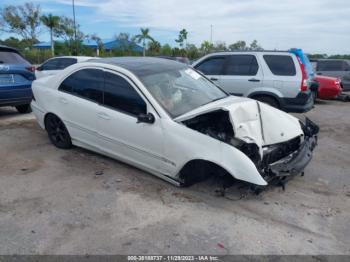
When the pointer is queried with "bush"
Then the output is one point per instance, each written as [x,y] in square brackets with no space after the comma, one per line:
[37,56]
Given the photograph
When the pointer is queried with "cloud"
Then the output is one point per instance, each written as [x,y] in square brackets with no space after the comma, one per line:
[314,25]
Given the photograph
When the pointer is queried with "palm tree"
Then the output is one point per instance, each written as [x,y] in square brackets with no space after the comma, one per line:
[143,37]
[51,22]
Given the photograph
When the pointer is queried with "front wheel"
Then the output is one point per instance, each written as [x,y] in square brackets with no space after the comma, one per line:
[57,132]
[24,109]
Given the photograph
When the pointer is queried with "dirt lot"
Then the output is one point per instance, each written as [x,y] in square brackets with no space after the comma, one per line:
[52,201]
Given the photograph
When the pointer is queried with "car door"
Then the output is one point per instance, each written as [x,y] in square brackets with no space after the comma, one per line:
[78,99]
[121,134]
[212,67]
[241,74]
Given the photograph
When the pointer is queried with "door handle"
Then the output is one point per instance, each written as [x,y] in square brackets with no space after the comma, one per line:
[214,79]
[103,115]
[63,100]
[254,80]
[319,73]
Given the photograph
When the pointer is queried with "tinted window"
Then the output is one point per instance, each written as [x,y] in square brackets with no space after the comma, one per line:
[65,62]
[330,65]
[12,58]
[245,65]
[119,94]
[212,66]
[281,65]
[52,64]
[87,83]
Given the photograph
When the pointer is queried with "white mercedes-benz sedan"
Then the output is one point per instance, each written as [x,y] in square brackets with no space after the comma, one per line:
[168,119]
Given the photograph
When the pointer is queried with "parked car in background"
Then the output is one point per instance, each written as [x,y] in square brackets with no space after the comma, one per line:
[276,78]
[180,59]
[328,87]
[164,117]
[16,76]
[53,65]
[339,68]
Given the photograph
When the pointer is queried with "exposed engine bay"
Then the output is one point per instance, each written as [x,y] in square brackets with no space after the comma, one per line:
[293,154]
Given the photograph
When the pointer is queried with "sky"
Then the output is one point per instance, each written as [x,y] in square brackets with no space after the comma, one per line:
[316,26]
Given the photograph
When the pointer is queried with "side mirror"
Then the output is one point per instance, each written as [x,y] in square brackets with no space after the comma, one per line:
[39,68]
[146,118]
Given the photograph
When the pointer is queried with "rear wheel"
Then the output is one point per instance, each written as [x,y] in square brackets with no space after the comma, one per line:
[268,100]
[24,109]
[57,132]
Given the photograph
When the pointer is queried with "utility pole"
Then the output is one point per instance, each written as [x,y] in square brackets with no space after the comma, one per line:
[211,34]
[75,30]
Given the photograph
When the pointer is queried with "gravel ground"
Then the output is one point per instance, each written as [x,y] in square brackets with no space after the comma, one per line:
[52,201]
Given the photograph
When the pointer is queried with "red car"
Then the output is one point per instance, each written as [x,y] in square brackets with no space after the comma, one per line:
[329,87]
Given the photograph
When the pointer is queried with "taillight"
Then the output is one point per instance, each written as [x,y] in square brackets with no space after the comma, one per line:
[31,68]
[303,86]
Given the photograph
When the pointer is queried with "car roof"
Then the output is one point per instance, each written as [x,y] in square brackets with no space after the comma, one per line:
[7,48]
[142,66]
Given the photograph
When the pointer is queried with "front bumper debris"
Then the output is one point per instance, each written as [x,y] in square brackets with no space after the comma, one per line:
[295,163]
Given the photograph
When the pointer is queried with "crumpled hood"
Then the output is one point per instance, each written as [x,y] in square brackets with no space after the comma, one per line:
[253,121]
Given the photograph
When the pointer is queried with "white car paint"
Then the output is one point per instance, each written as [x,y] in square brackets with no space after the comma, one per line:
[43,73]
[164,147]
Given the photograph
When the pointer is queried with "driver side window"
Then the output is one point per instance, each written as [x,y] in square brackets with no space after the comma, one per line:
[120,95]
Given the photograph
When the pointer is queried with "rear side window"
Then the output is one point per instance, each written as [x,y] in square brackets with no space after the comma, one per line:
[120,95]
[212,66]
[65,62]
[281,65]
[51,64]
[85,83]
[245,65]
[12,58]
[330,65]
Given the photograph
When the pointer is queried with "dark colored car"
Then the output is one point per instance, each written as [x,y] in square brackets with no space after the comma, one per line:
[339,68]
[16,76]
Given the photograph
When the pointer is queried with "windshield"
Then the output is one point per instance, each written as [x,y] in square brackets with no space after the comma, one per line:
[181,90]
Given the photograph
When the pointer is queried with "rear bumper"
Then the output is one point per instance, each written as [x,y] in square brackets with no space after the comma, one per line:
[15,95]
[303,102]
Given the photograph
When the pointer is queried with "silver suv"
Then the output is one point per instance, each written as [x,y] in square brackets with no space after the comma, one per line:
[336,68]
[276,78]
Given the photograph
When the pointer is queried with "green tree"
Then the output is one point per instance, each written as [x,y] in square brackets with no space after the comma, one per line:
[65,30]
[192,51]
[239,45]
[166,50]
[182,38]
[254,46]
[94,37]
[154,47]
[220,46]
[51,22]
[206,47]
[23,20]
[143,37]
[127,43]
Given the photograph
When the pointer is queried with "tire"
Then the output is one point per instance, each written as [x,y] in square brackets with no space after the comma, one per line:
[24,109]
[57,132]
[268,100]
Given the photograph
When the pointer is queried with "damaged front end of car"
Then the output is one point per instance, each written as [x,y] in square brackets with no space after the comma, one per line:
[279,145]
[284,160]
